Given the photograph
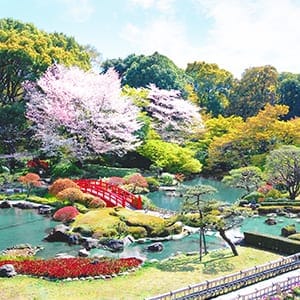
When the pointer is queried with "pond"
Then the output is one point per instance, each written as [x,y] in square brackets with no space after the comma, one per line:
[26,226]
[20,226]
[166,200]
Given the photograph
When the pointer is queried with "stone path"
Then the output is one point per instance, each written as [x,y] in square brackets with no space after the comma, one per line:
[258,286]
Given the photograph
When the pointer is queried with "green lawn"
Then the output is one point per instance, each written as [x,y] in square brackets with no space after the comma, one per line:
[150,280]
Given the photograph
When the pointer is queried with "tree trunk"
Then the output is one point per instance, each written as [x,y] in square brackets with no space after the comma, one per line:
[228,241]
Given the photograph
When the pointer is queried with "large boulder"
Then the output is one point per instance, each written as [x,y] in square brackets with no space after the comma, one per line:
[7,270]
[271,221]
[288,230]
[5,204]
[83,253]
[89,243]
[155,247]
[58,234]
[113,245]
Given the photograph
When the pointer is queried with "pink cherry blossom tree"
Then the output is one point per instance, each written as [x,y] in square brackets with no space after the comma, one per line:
[81,113]
[173,117]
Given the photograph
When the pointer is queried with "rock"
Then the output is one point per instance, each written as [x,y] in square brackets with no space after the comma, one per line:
[271,221]
[288,230]
[58,234]
[90,243]
[155,247]
[113,245]
[5,204]
[74,239]
[24,205]
[7,270]
[83,253]
[44,209]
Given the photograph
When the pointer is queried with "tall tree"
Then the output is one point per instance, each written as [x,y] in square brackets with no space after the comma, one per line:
[172,117]
[141,70]
[248,178]
[289,93]
[212,85]
[26,52]
[193,200]
[81,113]
[257,87]
[283,166]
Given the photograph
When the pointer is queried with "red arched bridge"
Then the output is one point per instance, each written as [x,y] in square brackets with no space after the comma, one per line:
[110,193]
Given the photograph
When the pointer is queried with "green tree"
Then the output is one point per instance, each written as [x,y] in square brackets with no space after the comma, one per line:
[248,178]
[289,93]
[26,52]
[141,70]
[212,85]
[283,167]
[257,87]
[194,201]
[170,157]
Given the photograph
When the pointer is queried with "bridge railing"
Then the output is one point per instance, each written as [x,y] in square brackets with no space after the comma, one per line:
[109,192]
[228,283]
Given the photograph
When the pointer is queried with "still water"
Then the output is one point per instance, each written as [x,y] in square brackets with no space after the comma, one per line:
[26,226]
[224,193]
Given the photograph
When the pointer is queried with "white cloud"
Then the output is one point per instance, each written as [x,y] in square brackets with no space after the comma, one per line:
[78,10]
[163,35]
[252,33]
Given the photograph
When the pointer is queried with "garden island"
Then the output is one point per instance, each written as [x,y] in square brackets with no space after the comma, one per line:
[142,178]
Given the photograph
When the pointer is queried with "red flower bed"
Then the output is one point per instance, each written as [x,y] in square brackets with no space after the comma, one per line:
[61,268]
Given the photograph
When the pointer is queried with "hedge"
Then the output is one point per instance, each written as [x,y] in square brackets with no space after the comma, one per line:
[270,242]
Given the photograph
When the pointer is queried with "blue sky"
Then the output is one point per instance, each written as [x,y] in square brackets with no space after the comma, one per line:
[235,34]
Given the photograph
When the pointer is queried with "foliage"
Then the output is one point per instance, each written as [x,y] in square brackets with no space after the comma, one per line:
[283,166]
[14,133]
[248,178]
[65,168]
[289,93]
[153,183]
[81,113]
[166,179]
[66,214]
[257,87]
[97,203]
[62,268]
[257,135]
[173,118]
[115,180]
[212,85]
[26,52]
[140,70]
[30,180]
[71,194]
[60,184]
[137,181]
[98,171]
[170,157]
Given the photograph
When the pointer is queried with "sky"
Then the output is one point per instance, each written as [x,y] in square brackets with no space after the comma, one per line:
[235,34]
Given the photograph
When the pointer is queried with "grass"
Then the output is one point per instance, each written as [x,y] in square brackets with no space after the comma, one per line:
[151,279]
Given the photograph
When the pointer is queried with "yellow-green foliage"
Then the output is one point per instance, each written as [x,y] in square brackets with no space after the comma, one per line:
[112,222]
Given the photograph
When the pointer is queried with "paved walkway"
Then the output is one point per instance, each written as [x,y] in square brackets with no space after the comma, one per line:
[260,285]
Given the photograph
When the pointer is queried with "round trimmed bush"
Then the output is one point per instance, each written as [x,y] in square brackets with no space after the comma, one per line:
[62,184]
[66,214]
[71,194]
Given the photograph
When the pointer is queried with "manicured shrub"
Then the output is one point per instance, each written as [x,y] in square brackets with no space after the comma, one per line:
[66,214]
[84,229]
[153,184]
[71,194]
[61,184]
[30,180]
[137,180]
[97,203]
[66,169]
[137,231]
[115,180]
[273,194]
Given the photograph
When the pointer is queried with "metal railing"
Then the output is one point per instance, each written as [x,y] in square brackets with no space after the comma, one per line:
[219,286]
